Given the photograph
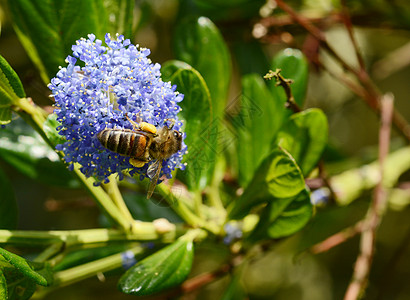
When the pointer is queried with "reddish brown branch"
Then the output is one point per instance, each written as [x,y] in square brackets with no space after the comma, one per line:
[371,94]
[204,279]
[337,238]
[348,24]
[363,263]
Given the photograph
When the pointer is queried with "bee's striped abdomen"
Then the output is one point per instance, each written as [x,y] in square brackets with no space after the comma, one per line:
[123,142]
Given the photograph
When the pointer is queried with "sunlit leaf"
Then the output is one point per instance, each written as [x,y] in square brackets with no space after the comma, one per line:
[162,270]
[278,176]
[305,137]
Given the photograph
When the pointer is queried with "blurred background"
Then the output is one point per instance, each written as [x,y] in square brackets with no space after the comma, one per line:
[382,30]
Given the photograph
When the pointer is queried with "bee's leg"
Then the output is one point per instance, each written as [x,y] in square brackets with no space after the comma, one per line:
[137,163]
[147,127]
[172,123]
[136,125]
[144,126]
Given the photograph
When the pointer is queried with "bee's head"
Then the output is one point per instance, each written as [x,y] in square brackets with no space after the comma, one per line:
[168,141]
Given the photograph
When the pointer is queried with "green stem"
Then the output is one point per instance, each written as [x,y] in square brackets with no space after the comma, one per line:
[113,191]
[198,203]
[178,205]
[50,251]
[213,191]
[90,269]
[104,201]
[350,184]
[145,231]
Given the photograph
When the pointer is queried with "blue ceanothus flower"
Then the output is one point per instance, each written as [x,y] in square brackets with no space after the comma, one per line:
[109,85]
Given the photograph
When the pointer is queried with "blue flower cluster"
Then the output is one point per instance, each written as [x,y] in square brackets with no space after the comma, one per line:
[113,82]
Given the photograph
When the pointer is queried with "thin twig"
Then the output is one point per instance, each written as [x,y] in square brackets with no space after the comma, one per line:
[372,95]
[285,84]
[203,279]
[349,27]
[372,220]
[337,239]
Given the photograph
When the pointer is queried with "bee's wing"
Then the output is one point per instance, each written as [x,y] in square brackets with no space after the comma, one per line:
[153,173]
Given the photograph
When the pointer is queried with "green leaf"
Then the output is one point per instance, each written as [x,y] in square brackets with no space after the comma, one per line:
[48,28]
[8,205]
[305,137]
[259,118]
[120,16]
[5,115]
[200,127]
[250,57]
[9,80]
[235,290]
[283,217]
[18,286]
[294,66]
[278,176]
[3,286]
[164,269]
[199,43]
[40,273]
[49,128]
[26,151]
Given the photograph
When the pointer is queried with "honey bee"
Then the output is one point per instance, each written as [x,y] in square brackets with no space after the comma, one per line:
[143,144]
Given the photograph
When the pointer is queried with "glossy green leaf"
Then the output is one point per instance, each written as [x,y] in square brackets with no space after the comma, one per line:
[40,273]
[283,217]
[200,127]
[26,151]
[48,28]
[198,42]
[10,81]
[294,66]
[162,270]
[8,205]
[305,137]
[5,115]
[3,286]
[278,176]
[258,119]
